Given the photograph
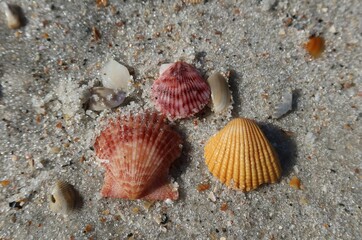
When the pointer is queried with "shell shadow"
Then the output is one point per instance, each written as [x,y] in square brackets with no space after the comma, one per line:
[284,145]
[234,82]
[181,164]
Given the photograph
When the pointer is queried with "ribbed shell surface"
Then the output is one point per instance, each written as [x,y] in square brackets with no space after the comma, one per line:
[138,151]
[240,156]
[180,91]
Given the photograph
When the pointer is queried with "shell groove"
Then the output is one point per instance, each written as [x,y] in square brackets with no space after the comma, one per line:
[180,91]
[220,92]
[240,156]
[138,150]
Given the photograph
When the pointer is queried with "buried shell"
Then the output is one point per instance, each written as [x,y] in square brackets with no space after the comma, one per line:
[220,92]
[62,198]
[180,91]
[241,157]
[115,76]
[137,151]
[105,98]
[14,15]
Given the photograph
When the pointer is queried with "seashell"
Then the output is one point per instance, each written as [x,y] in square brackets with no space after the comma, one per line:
[315,46]
[241,157]
[13,15]
[180,91]
[285,105]
[137,151]
[62,198]
[220,92]
[115,76]
[104,98]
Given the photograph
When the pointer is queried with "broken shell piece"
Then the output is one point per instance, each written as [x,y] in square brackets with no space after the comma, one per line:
[13,15]
[220,92]
[115,76]
[285,105]
[62,198]
[105,98]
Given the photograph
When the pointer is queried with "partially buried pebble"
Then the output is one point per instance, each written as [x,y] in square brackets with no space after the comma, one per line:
[62,198]
[105,98]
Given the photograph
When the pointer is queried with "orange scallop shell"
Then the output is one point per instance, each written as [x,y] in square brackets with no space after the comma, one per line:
[240,156]
[137,151]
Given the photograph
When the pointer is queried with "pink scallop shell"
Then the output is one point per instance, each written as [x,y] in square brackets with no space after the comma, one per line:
[138,151]
[180,91]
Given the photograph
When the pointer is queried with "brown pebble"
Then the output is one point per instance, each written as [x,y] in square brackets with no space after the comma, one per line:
[96,34]
[88,228]
[295,182]
[224,207]
[59,125]
[315,46]
[203,187]
[4,183]
[101,3]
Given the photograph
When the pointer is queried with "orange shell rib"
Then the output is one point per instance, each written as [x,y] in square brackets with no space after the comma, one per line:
[138,150]
[241,157]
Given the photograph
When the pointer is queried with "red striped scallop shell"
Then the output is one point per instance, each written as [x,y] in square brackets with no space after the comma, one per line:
[180,91]
[138,151]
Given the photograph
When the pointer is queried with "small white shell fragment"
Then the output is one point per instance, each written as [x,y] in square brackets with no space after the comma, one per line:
[62,198]
[212,197]
[285,105]
[105,98]
[13,16]
[220,92]
[163,67]
[115,76]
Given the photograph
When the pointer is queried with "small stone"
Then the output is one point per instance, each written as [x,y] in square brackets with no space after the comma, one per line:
[332,29]
[88,228]
[212,197]
[282,32]
[55,150]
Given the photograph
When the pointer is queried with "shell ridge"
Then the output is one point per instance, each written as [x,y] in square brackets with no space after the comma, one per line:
[221,144]
[260,159]
[144,128]
[254,157]
[269,158]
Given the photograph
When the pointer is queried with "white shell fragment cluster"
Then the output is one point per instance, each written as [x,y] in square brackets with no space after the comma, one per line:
[285,105]
[220,92]
[116,81]
[62,198]
[104,98]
